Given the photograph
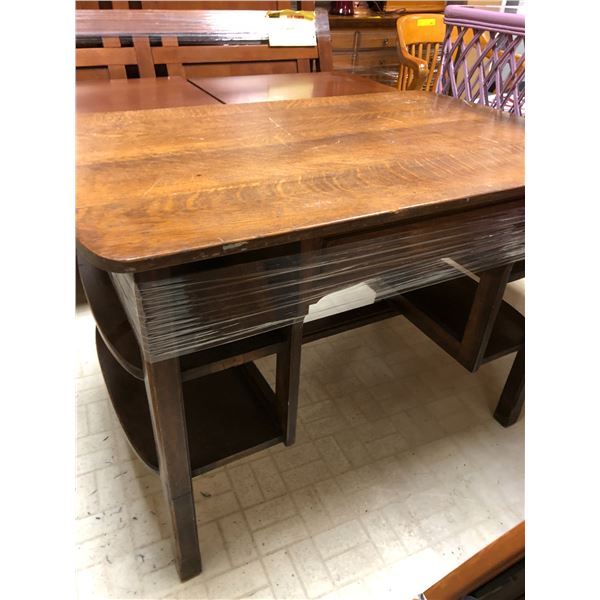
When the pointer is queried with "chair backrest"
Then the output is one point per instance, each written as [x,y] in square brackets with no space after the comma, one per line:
[420,37]
[483,58]
[193,43]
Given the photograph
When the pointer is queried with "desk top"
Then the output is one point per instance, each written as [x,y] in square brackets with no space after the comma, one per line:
[169,186]
[286,86]
[138,94]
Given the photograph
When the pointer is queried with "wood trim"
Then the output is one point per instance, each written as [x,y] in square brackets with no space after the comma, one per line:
[324,40]
[483,566]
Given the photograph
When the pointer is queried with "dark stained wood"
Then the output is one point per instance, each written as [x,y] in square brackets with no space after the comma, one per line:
[354,22]
[138,94]
[288,381]
[159,189]
[350,319]
[482,316]
[480,568]
[442,311]
[167,411]
[324,41]
[302,168]
[235,422]
[110,317]
[262,88]
[513,395]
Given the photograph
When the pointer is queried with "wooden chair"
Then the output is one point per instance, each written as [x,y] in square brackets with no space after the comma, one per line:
[420,38]
[148,43]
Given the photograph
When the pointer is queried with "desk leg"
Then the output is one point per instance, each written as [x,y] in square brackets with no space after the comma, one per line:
[513,395]
[165,397]
[288,381]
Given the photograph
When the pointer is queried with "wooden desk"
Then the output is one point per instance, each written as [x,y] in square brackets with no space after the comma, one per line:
[166,193]
[138,94]
[295,86]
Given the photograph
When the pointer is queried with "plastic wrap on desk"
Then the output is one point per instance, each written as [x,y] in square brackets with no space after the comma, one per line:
[214,302]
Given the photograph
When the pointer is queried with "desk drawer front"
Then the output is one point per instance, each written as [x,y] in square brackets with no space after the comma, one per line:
[363,39]
[215,302]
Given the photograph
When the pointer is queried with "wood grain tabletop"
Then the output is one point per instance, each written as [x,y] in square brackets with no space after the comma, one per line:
[169,186]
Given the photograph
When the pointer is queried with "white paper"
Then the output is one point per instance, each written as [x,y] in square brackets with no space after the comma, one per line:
[290,31]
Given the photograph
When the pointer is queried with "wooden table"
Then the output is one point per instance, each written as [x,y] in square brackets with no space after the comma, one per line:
[169,192]
[138,94]
[285,86]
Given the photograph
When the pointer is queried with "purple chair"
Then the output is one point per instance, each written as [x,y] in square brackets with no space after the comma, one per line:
[483,58]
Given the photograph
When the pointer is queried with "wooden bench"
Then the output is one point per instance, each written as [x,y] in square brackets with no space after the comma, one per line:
[190,43]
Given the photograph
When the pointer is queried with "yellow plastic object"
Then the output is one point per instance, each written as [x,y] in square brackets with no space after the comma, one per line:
[293,14]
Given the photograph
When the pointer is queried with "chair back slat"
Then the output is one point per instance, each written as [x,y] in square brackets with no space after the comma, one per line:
[193,42]
[483,58]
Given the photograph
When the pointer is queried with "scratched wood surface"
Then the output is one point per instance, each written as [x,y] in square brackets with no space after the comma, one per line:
[169,186]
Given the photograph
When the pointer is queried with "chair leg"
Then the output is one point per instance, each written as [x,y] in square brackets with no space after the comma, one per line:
[513,395]
[165,397]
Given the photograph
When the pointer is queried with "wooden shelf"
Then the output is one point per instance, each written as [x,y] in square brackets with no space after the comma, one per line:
[120,339]
[229,414]
[447,305]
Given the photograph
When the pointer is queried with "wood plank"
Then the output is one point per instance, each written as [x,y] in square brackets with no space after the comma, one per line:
[483,566]
[92,57]
[144,56]
[243,24]
[170,171]
[115,71]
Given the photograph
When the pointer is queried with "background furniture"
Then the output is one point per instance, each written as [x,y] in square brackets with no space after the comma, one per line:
[420,37]
[119,44]
[368,45]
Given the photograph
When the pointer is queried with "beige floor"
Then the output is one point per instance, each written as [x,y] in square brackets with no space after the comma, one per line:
[398,475]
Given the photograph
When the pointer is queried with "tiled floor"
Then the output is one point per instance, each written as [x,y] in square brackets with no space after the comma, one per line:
[398,475]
